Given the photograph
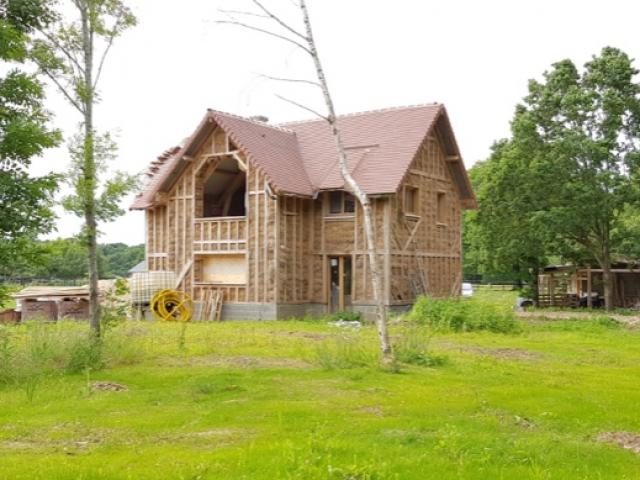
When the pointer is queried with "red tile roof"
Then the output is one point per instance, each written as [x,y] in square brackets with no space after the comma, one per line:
[156,172]
[300,158]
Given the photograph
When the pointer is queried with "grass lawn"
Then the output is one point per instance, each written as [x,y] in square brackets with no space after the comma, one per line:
[260,400]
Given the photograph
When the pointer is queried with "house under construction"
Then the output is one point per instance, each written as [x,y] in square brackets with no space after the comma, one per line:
[259,212]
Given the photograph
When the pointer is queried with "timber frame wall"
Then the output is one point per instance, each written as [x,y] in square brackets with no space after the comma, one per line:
[287,240]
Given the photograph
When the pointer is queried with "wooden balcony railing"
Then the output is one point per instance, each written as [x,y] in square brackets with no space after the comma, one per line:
[220,235]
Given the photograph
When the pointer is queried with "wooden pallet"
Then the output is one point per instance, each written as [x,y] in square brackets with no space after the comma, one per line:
[212,308]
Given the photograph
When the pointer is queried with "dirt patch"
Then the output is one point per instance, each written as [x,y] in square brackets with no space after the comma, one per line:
[70,447]
[626,440]
[108,387]
[242,361]
[631,321]
[500,353]
[374,410]
[214,438]
[309,335]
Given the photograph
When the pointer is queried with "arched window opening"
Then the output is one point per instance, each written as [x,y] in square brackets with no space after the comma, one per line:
[224,192]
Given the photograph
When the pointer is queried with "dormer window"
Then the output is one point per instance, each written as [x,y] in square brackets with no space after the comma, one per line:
[341,203]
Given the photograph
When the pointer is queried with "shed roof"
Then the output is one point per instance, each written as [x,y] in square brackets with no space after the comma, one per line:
[300,158]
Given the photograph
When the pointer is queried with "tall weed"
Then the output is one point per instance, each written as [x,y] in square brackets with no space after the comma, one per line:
[31,352]
[344,351]
[411,346]
[460,315]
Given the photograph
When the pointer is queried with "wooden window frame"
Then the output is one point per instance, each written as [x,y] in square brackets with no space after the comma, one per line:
[345,199]
[414,209]
[441,199]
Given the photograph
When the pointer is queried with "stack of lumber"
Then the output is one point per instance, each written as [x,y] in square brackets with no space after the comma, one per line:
[212,305]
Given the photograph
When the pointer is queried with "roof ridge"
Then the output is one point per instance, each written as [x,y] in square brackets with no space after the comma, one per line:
[365,112]
[254,122]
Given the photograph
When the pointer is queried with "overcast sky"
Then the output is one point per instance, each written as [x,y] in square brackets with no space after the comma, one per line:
[475,57]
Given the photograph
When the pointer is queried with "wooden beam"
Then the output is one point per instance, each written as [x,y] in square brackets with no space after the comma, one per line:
[413,233]
[183,273]
[341,284]
[241,163]
[231,190]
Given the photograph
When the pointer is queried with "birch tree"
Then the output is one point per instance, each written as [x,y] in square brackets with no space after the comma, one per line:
[72,52]
[305,41]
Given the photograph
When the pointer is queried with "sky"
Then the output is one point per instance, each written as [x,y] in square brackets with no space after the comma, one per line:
[475,57]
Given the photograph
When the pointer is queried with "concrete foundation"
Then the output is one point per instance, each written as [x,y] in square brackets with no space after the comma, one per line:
[272,311]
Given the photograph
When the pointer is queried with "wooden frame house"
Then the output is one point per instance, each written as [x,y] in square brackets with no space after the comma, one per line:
[259,212]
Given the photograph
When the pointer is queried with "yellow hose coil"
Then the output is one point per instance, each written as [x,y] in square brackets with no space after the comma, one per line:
[172,306]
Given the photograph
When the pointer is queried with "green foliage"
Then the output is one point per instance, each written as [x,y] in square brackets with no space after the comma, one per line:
[117,259]
[26,201]
[72,52]
[563,185]
[65,258]
[114,189]
[462,315]
[116,306]
[85,355]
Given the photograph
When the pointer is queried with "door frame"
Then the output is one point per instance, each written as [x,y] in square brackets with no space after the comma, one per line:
[341,303]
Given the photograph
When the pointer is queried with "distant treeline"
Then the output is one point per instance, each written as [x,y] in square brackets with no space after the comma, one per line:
[66,260]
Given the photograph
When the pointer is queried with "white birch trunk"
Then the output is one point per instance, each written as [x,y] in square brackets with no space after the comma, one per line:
[352,185]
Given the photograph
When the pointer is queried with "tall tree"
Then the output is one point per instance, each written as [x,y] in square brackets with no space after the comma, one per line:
[72,53]
[570,173]
[305,41]
[25,201]
[501,237]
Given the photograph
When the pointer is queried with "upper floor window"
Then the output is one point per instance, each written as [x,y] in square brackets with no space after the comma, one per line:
[411,201]
[224,191]
[441,208]
[341,202]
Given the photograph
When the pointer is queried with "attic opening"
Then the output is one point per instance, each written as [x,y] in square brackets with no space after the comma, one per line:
[224,191]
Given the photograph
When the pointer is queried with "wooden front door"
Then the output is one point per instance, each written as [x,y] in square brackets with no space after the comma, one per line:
[339,283]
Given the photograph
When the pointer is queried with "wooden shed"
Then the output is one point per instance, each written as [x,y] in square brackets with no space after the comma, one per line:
[582,286]
[53,303]
[259,212]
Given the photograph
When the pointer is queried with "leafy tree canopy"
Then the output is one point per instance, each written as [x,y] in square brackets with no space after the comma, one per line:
[566,183]
[25,201]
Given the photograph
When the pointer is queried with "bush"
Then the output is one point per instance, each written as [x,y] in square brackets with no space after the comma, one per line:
[460,315]
[412,347]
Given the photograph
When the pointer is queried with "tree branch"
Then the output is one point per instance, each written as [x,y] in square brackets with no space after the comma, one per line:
[231,13]
[279,21]
[63,90]
[310,110]
[102,59]
[106,50]
[266,32]
[292,80]
[63,49]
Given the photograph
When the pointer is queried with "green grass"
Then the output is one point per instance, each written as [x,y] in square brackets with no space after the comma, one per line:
[304,400]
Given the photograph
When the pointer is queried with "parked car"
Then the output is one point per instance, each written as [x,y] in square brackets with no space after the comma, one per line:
[467,290]
[522,303]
